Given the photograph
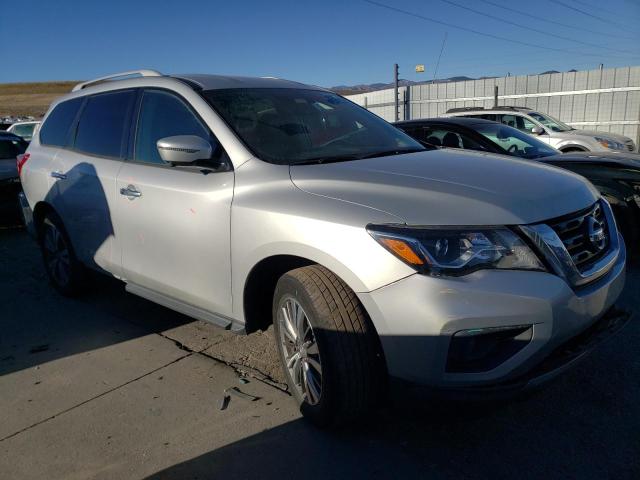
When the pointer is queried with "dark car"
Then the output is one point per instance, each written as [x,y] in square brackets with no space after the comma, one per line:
[616,175]
[10,147]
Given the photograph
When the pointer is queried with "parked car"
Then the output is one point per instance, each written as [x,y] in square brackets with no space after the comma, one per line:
[11,147]
[251,201]
[24,129]
[550,130]
[616,174]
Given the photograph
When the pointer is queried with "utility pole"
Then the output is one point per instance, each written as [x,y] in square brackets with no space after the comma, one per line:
[395,88]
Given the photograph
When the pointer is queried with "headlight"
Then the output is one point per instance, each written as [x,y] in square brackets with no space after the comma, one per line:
[456,251]
[608,143]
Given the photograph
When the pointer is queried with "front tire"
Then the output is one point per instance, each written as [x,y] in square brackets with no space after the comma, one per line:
[328,347]
[66,273]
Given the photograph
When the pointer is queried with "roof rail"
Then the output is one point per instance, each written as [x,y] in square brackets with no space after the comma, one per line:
[513,107]
[141,73]
[464,109]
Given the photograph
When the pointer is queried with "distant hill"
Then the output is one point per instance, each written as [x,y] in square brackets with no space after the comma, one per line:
[364,88]
[19,99]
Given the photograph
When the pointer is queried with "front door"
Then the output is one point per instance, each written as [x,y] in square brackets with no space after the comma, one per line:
[175,220]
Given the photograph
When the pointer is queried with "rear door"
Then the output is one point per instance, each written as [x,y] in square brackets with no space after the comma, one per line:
[85,175]
[174,222]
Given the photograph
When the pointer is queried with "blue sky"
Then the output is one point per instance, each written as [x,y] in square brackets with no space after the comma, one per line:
[325,43]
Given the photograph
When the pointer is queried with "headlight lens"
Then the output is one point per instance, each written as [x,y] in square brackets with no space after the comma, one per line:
[456,251]
[608,143]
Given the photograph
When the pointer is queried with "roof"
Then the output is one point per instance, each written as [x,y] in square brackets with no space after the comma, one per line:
[196,81]
[464,121]
[499,108]
[215,82]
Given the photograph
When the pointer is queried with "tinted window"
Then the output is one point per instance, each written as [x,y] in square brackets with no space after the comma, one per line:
[163,115]
[440,136]
[515,142]
[103,123]
[292,126]
[11,147]
[56,128]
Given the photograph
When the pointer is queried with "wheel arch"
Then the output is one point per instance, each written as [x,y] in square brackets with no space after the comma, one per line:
[40,210]
[573,147]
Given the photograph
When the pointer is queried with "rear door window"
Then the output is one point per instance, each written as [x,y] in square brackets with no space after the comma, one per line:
[55,130]
[104,124]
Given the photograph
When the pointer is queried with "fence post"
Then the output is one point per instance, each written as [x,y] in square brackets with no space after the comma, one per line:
[395,90]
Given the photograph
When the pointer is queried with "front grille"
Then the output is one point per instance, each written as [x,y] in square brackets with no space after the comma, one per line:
[578,233]
[630,146]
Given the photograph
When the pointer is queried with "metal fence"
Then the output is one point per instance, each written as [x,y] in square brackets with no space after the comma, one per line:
[605,99]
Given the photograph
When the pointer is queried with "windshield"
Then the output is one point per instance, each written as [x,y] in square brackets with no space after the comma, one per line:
[550,122]
[514,141]
[294,126]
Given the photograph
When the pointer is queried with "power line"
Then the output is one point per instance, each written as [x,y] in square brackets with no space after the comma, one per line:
[526,27]
[435,72]
[564,25]
[605,20]
[490,35]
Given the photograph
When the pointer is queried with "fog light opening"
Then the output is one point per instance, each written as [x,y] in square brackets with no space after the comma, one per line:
[483,349]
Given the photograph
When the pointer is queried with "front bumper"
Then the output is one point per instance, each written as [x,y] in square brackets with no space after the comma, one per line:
[560,360]
[417,317]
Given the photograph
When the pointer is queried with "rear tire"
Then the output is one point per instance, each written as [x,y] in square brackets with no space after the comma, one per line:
[328,347]
[66,273]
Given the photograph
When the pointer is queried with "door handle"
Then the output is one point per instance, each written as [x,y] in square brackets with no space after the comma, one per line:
[58,175]
[131,192]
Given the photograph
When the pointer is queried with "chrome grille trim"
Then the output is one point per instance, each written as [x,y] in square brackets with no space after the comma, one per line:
[630,145]
[547,238]
[572,234]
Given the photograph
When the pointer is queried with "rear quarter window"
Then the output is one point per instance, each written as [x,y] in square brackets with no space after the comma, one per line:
[55,130]
[103,122]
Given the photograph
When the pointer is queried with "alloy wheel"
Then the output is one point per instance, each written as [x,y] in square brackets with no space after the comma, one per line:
[300,349]
[57,255]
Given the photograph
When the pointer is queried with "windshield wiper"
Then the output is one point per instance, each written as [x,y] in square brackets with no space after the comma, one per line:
[332,159]
[397,151]
[348,157]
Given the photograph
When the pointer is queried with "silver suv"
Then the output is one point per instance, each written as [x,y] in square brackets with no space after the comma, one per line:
[550,130]
[252,201]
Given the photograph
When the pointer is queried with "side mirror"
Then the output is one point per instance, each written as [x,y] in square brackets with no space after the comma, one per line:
[184,149]
[537,130]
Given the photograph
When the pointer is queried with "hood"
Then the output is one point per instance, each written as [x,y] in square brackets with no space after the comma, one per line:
[629,160]
[451,187]
[595,133]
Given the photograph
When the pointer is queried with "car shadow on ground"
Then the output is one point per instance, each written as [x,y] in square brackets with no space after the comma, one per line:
[559,433]
[39,325]
[582,425]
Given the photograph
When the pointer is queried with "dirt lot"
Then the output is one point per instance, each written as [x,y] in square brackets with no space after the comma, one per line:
[30,98]
[112,386]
